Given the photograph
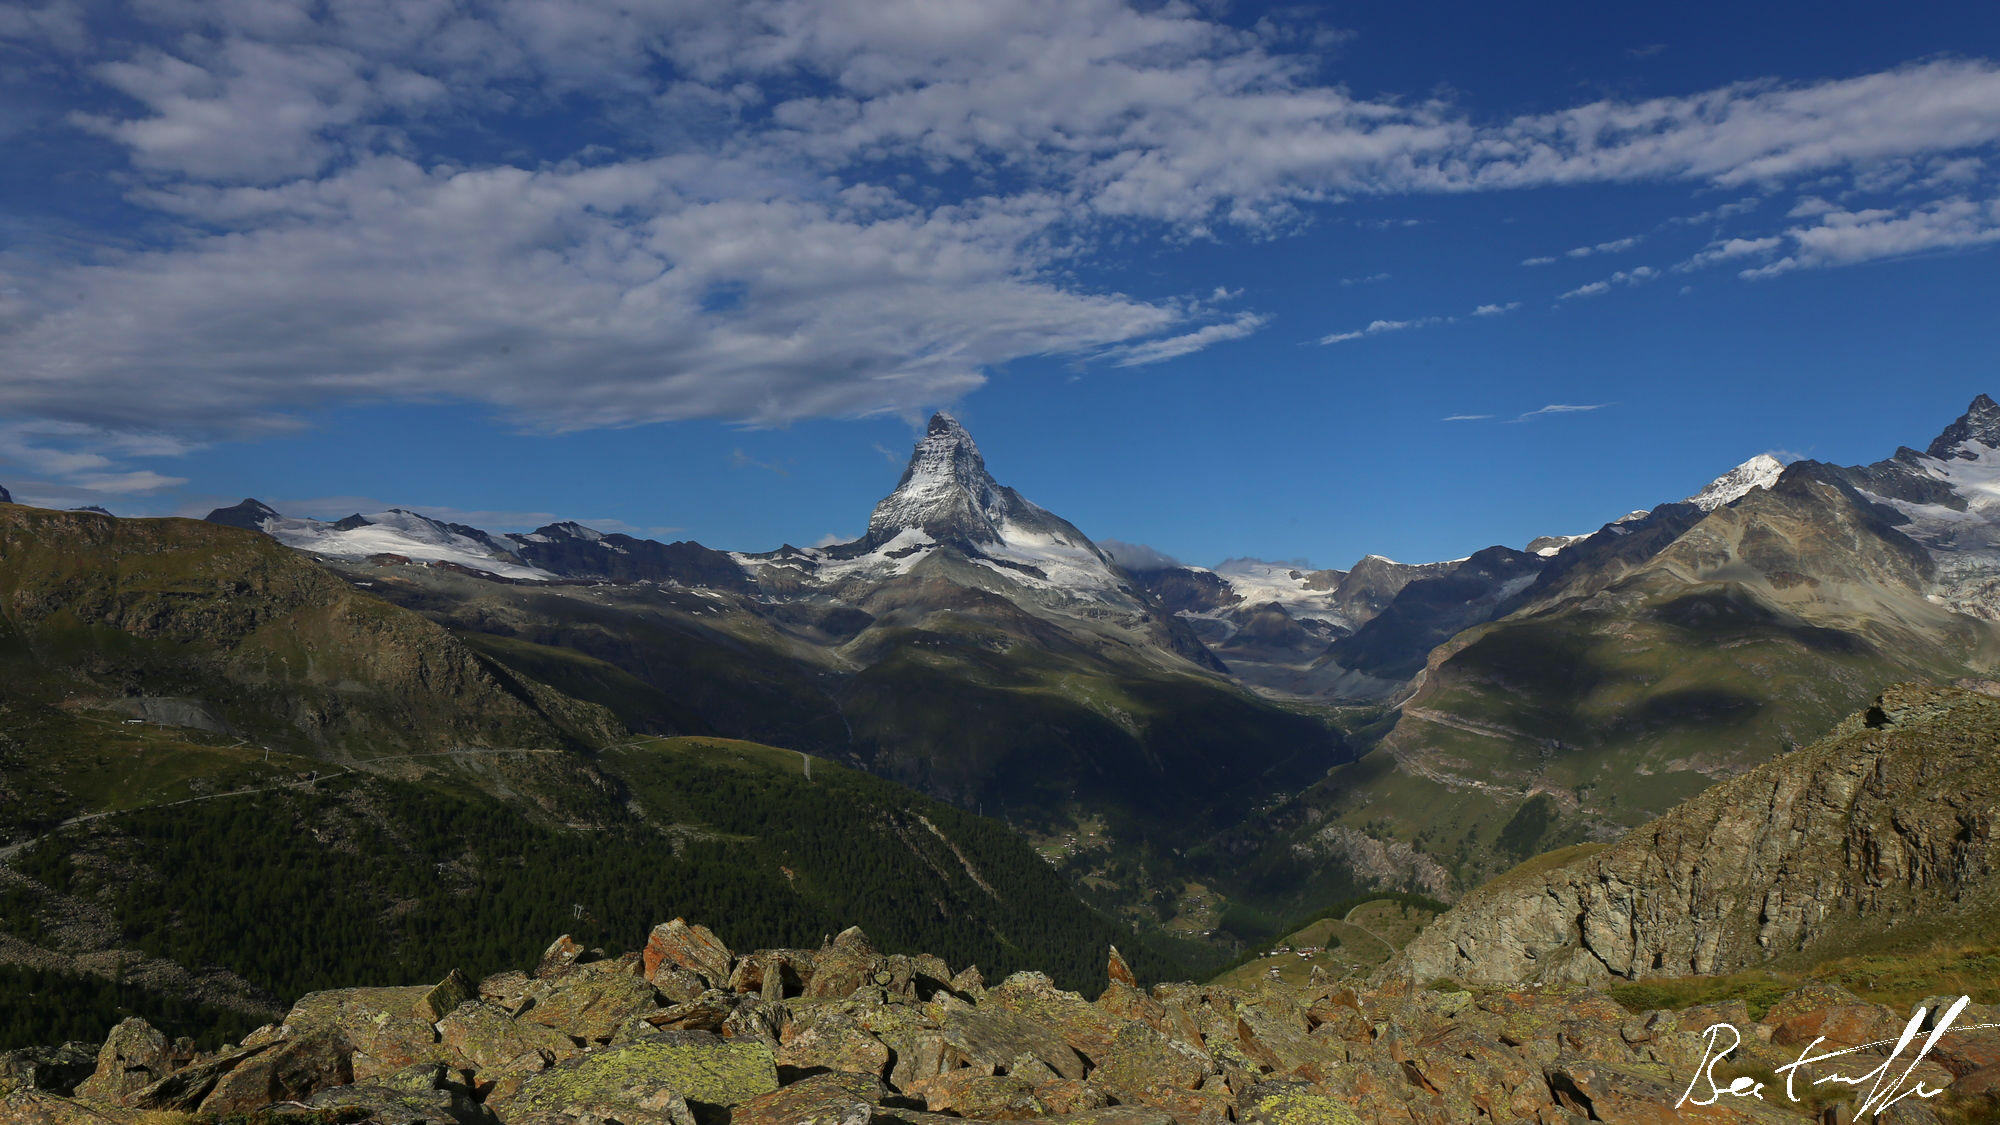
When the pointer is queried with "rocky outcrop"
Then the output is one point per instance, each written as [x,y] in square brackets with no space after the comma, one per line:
[1888,825]
[902,1047]
[1383,863]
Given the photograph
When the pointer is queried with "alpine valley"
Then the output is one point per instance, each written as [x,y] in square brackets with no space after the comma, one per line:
[264,753]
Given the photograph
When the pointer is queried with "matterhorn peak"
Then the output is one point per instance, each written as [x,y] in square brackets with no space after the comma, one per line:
[945,491]
[1761,471]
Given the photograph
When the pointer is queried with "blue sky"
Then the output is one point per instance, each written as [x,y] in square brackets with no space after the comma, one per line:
[1299,281]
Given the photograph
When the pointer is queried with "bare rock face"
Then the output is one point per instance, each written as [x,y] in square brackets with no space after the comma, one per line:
[133,1057]
[1889,821]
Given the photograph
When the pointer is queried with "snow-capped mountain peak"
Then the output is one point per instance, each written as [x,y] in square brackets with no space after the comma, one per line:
[1975,432]
[945,491]
[1761,471]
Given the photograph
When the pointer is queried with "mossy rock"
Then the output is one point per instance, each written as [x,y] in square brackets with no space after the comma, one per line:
[647,1074]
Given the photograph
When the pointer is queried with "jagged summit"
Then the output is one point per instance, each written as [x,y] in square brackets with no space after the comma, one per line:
[946,498]
[1979,425]
[5,496]
[945,492]
[1761,471]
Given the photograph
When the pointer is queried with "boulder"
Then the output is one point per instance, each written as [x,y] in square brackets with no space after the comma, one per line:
[55,1070]
[832,1040]
[446,995]
[478,1035]
[592,1006]
[314,1059]
[26,1106]
[822,1099]
[133,1057]
[420,1095]
[561,955]
[184,1090]
[849,962]
[692,948]
[380,1024]
[773,974]
[649,1076]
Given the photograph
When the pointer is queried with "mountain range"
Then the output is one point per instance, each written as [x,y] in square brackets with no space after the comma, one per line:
[1198,753]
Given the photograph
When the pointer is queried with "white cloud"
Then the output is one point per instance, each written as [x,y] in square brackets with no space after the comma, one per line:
[1844,238]
[1377,327]
[1157,351]
[1537,261]
[1635,276]
[1561,408]
[1730,248]
[1496,310]
[1612,247]
[1466,417]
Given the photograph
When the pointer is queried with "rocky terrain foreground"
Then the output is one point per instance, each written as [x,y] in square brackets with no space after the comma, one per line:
[689,1033]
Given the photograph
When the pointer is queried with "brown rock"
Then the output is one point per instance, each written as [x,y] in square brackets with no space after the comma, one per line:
[822,1099]
[987,1097]
[989,1039]
[1120,972]
[1071,1095]
[295,1069]
[446,995]
[773,974]
[380,1024]
[560,956]
[183,1090]
[692,948]
[133,1057]
[832,1040]
[479,1035]
[592,1006]
[39,1107]
[850,962]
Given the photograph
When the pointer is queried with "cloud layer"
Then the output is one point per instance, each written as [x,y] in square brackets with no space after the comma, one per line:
[590,215]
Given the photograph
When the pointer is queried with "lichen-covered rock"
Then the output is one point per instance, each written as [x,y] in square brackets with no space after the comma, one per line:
[985,1097]
[647,1075]
[55,1070]
[381,1024]
[592,1006]
[446,995]
[561,955]
[847,963]
[1292,1103]
[773,974]
[425,1094]
[133,1057]
[316,1058]
[184,1090]
[831,1039]
[989,1038]
[695,949]
[479,1035]
[39,1107]
[822,1099]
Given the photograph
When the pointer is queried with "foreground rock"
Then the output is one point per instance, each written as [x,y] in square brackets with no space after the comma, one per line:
[848,1035]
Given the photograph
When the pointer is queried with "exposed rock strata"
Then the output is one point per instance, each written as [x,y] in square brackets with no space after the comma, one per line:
[1886,826]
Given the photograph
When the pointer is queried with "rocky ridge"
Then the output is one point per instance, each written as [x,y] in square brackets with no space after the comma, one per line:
[686,1032]
[1884,831]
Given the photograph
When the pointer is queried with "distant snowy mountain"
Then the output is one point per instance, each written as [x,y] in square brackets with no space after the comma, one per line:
[947,499]
[1761,471]
[1949,496]
[397,532]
